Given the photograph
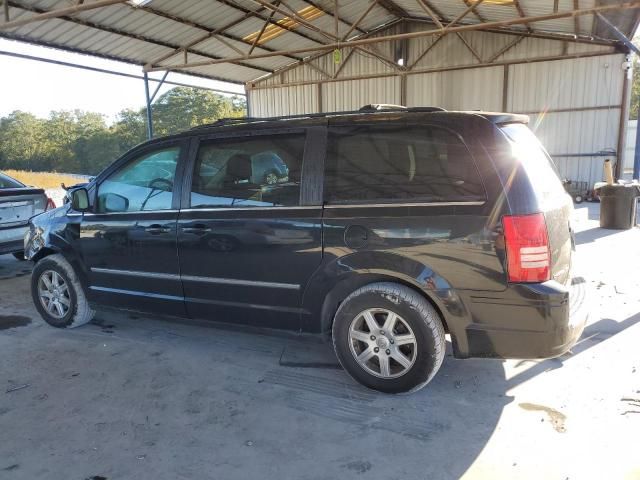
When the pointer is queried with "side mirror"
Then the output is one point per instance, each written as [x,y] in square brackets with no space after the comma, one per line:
[115,203]
[80,199]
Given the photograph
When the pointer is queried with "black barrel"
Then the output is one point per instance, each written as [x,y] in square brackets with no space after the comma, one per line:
[618,204]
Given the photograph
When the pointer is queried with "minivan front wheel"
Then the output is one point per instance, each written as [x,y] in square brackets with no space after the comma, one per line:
[389,338]
[58,294]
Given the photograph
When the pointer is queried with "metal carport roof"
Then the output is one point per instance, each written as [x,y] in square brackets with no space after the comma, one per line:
[243,40]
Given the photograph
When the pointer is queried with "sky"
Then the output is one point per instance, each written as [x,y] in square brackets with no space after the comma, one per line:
[39,87]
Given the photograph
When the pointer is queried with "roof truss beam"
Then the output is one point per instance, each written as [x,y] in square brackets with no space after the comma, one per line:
[104,28]
[59,13]
[217,32]
[258,14]
[474,10]
[355,24]
[334,14]
[264,27]
[393,8]
[293,15]
[520,10]
[448,29]
[432,12]
[471,7]
[321,54]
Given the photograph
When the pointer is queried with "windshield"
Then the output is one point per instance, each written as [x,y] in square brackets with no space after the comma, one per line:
[539,166]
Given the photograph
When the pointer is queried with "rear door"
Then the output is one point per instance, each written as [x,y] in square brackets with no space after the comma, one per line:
[402,191]
[249,239]
[129,241]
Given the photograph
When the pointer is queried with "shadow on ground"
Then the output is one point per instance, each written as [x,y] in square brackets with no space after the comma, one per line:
[132,397]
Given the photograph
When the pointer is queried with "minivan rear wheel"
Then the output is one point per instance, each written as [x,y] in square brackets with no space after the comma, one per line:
[58,294]
[389,338]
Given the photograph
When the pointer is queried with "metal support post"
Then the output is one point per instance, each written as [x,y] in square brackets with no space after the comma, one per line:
[148,98]
[624,120]
[636,158]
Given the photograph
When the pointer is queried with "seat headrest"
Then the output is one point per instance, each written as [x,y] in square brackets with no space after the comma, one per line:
[239,167]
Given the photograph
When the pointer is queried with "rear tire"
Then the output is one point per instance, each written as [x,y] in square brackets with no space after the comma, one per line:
[58,294]
[389,338]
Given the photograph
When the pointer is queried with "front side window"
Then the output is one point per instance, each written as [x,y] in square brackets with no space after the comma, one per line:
[399,164]
[144,184]
[259,171]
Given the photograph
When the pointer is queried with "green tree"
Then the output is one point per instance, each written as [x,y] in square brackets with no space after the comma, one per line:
[21,141]
[82,142]
[182,108]
[635,90]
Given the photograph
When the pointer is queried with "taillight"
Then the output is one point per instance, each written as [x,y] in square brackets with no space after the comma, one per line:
[50,204]
[527,248]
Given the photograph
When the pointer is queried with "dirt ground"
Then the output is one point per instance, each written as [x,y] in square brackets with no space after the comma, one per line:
[127,397]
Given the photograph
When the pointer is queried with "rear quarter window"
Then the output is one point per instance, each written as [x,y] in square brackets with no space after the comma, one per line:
[399,163]
[539,166]
[8,182]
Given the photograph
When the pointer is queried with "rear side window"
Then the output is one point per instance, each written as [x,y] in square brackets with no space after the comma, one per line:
[8,182]
[260,171]
[539,166]
[399,163]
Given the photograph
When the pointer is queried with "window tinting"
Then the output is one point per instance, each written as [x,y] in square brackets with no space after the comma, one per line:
[8,182]
[537,162]
[145,183]
[248,172]
[399,163]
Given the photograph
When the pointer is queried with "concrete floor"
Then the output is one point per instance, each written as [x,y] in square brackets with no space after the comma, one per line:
[135,398]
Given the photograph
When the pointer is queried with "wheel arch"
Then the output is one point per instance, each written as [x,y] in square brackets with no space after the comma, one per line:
[334,281]
[336,296]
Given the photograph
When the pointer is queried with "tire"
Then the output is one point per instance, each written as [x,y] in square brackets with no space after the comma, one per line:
[578,199]
[414,317]
[59,272]
[19,256]
[270,178]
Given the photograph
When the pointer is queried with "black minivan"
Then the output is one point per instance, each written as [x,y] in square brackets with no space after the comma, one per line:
[384,228]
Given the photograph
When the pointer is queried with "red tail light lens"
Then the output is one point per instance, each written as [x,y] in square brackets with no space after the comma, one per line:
[50,204]
[527,248]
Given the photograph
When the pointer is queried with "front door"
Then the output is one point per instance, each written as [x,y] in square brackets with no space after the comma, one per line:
[129,240]
[248,242]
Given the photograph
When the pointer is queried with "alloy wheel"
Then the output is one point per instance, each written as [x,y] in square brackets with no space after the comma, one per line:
[54,295]
[382,343]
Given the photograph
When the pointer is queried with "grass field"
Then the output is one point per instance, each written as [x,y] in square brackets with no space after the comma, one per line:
[43,179]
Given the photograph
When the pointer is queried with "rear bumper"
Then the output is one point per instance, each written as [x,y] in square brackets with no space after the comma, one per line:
[12,239]
[533,321]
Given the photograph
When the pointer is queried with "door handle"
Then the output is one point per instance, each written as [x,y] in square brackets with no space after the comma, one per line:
[157,229]
[197,229]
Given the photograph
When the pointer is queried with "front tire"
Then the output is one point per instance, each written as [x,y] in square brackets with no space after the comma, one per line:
[389,338]
[58,294]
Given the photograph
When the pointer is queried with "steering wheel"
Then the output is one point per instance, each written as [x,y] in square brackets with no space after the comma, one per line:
[167,183]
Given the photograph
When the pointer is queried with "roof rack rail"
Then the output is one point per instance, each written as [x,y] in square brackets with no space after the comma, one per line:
[386,107]
[372,108]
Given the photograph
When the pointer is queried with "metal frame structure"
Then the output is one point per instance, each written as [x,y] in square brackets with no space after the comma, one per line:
[252,41]
[145,77]
[276,17]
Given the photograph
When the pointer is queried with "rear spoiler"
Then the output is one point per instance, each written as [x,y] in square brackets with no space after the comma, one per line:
[504,118]
[12,192]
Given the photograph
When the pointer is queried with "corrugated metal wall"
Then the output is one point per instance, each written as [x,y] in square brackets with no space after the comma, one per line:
[574,103]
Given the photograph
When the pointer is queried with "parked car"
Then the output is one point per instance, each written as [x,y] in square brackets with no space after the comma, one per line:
[393,227]
[17,204]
